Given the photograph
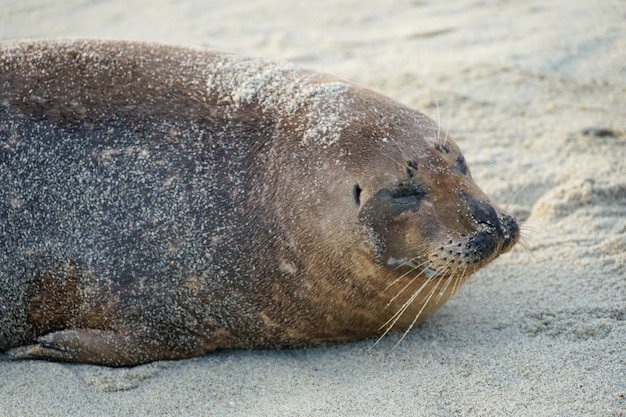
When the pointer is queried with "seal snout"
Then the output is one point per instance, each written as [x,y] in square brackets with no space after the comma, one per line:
[496,233]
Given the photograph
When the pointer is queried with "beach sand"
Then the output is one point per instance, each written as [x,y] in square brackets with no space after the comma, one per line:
[534,93]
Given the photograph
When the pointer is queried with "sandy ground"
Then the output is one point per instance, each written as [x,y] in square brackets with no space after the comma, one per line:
[534,92]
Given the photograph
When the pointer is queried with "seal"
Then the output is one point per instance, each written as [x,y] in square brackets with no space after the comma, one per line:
[159,202]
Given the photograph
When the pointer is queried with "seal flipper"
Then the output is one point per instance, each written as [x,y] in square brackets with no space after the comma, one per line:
[99,347]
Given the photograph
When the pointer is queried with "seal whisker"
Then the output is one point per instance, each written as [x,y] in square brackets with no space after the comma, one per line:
[408,284]
[423,271]
[523,239]
[396,316]
[394,319]
[445,286]
[404,154]
[458,281]
[524,246]
[438,115]
[513,195]
[447,129]
[397,162]
[419,313]
[413,269]
[390,323]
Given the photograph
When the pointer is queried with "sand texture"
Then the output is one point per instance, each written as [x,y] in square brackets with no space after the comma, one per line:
[534,93]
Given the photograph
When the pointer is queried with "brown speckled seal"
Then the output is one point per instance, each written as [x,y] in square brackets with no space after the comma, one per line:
[160,203]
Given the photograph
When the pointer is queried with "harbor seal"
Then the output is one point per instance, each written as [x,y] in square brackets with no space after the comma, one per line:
[159,202]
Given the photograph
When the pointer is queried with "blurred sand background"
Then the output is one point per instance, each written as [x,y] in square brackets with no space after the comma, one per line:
[534,92]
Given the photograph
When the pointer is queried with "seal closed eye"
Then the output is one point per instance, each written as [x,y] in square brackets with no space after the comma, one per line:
[407,196]
[159,202]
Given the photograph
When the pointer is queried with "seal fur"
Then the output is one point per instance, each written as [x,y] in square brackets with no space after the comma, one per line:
[159,202]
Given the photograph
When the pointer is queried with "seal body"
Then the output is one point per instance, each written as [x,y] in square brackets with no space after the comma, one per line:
[160,203]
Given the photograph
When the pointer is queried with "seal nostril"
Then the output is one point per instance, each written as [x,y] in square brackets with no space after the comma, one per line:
[357,194]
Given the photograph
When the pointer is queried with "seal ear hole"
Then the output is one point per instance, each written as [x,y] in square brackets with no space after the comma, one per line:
[357,194]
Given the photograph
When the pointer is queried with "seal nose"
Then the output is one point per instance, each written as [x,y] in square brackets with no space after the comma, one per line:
[483,213]
[511,232]
[502,232]
[487,240]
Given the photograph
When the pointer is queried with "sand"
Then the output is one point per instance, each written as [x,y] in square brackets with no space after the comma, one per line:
[534,92]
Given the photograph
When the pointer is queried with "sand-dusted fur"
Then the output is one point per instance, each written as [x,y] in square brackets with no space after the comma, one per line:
[160,203]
